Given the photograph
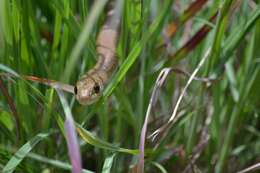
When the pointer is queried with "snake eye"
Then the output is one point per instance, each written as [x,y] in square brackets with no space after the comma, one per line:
[96,89]
[75,90]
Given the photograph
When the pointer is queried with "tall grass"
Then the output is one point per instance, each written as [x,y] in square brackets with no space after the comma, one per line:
[217,123]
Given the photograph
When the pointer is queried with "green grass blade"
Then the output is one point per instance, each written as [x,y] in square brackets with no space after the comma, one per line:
[222,22]
[236,36]
[93,140]
[5,18]
[160,167]
[83,37]
[23,151]
[232,42]
[8,70]
[55,163]
[135,52]
[108,164]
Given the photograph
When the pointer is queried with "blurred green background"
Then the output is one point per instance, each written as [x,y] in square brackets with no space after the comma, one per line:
[217,128]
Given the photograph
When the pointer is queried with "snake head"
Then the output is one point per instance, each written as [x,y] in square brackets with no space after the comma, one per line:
[88,89]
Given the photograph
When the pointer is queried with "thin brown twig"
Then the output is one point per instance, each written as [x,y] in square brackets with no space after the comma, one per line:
[52,83]
[12,108]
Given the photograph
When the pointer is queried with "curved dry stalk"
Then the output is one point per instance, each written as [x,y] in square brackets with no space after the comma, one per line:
[158,84]
[168,124]
[251,168]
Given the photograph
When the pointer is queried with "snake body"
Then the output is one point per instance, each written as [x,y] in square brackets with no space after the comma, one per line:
[90,86]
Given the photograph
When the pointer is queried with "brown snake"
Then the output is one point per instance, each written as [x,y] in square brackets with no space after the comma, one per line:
[90,86]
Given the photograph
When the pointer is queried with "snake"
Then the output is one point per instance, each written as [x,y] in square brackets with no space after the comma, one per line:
[90,86]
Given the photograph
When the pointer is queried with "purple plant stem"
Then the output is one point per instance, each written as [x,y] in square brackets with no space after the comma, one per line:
[73,147]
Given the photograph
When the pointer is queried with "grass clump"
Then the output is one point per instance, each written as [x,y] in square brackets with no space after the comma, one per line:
[216,127]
